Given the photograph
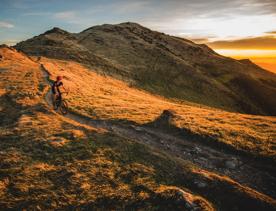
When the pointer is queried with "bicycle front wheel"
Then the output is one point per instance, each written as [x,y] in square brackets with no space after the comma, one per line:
[64,107]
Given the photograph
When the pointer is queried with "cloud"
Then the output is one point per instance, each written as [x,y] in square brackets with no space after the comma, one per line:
[262,42]
[268,6]
[199,40]
[4,24]
[209,9]
[37,14]
[65,15]
[271,32]
[9,42]
[131,6]
[223,18]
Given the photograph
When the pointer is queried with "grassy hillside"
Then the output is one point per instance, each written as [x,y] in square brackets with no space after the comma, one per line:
[103,97]
[169,66]
[51,162]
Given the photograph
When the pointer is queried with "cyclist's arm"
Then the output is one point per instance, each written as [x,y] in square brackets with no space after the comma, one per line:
[64,89]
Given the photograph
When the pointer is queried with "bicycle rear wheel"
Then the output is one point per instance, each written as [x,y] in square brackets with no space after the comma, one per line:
[55,105]
[64,107]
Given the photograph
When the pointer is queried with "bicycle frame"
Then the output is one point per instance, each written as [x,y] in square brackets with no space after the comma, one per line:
[59,99]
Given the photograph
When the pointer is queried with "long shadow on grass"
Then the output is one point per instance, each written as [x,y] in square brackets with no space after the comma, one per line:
[164,123]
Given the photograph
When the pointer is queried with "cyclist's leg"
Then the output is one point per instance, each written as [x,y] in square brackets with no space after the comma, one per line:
[58,99]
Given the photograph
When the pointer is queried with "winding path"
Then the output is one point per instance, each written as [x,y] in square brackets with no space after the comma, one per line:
[236,167]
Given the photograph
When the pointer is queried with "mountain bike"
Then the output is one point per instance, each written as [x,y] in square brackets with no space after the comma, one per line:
[61,104]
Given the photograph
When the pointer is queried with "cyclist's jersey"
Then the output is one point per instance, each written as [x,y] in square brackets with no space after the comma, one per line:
[55,87]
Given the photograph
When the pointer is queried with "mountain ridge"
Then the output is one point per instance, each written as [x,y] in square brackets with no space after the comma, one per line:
[162,64]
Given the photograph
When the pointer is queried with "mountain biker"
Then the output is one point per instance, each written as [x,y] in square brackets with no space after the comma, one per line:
[56,92]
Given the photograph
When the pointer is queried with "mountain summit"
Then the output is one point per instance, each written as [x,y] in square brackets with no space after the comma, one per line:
[162,64]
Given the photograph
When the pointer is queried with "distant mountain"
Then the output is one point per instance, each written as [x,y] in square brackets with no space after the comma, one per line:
[166,65]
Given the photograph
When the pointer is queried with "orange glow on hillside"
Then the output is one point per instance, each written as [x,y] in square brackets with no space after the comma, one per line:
[264,58]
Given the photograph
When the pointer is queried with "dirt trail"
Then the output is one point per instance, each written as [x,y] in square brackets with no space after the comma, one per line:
[225,163]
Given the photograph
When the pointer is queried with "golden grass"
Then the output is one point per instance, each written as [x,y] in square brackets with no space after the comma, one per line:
[103,97]
[21,80]
[55,163]
[51,162]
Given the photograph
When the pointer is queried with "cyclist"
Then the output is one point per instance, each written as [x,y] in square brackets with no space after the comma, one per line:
[56,92]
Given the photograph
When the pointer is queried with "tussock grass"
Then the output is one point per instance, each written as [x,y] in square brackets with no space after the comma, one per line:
[48,162]
[103,97]
[20,80]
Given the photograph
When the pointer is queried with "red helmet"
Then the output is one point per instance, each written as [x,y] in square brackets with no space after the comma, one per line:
[59,78]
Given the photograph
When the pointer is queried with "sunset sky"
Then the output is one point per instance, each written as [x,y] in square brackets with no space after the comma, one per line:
[237,28]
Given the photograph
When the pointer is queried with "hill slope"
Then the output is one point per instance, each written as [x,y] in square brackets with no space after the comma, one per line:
[106,98]
[163,64]
[49,161]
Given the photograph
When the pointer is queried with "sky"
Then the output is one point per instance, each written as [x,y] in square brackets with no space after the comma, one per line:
[237,28]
